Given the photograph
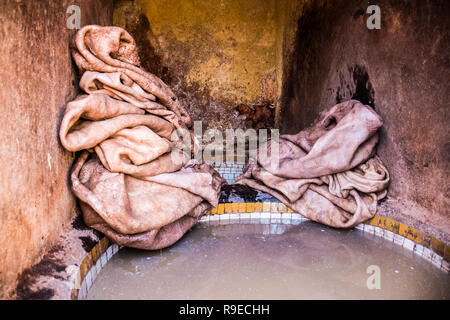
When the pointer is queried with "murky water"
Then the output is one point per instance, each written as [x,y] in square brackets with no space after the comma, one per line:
[261,261]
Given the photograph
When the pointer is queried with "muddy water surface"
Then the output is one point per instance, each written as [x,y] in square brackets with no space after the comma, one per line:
[277,261]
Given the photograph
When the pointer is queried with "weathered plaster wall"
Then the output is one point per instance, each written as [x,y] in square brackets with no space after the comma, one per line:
[37,78]
[402,70]
[214,54]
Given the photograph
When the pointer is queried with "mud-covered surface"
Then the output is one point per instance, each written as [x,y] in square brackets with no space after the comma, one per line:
[50,265]
[401,70]
[238,193]
[214,56]
[52,277]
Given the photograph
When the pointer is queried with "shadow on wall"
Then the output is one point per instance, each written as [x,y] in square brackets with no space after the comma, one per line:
[359,89]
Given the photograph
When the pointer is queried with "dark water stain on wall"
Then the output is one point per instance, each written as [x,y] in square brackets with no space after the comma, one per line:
[356,86]
[48,266]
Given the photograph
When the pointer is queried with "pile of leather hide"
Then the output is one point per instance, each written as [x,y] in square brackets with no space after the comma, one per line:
[328,172]
[134,181]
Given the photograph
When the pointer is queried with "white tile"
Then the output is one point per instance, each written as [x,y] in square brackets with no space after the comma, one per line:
[244,216]
[265,215]
[103,259]
[360,226]
[109,252]
[379,232]
[214,222]
[115,248]
[255,216]
[275,220]
[436,259]
[88,279]
[234,216]
[369,229]
[445,266]
[98,266]
[408,244]
[398,239]
[296,216]
[214,217]
[427,254]
[389,235]
[224,218]
[275,215]
[418,249]
[83,291]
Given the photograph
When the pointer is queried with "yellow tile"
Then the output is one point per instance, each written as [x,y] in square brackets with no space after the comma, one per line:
[221,208]
[242,207]
[258,206]
[381,221]
[403,229]
[396,227]
[85,266]
[282,207]
[274,207]
[228,208]
[214,210]
[447,253]
[389,224]
[412,233]
[426,240]
[290,210]
[418,237]
[266,207]
[104,244]
[250,207]
[438,246]
[373,221]
[95,252]
[235,207]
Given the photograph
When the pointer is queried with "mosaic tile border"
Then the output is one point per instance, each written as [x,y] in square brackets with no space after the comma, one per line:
[90,267]
[420,243]
[428,247]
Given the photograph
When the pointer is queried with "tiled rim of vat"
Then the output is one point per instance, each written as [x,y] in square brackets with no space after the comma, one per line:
[420,243]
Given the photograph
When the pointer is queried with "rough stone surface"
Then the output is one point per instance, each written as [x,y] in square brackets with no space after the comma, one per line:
[38,78]
[402,71]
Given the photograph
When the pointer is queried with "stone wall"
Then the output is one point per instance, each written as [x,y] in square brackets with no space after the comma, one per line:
[38,78]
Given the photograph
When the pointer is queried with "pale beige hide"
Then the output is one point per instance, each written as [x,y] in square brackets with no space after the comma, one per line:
[327,172]
[135,181]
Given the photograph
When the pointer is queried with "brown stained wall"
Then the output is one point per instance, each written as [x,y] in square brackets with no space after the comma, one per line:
[403,71]
[38,79]
[213,54]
